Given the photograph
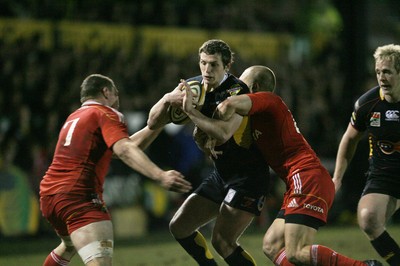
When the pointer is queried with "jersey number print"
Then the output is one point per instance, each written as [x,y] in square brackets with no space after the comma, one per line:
[72,125]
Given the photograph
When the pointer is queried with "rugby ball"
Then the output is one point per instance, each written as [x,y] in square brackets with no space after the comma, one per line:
[177,115]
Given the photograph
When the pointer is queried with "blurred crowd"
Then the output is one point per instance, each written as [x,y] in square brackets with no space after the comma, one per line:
[41,87]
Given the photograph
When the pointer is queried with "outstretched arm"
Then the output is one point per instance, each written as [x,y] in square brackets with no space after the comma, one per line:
[158,116]
[347,148]
[144,137]
[135,158]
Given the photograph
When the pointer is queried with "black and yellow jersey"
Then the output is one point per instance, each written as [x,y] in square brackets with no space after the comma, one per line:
[381,119]
[240,156]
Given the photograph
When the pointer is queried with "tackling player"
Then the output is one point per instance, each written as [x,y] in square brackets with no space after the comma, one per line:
[310,190]
[71,190]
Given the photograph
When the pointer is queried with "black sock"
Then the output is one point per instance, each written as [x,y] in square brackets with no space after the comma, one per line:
[387,248]
[240,257]
[196,246]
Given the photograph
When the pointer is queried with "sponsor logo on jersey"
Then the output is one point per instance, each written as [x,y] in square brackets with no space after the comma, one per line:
[234,90]
[375,120]
[392,115]
[257,134]
[229,196]
[293,204]
[388,147]
[260,203]
[313,208]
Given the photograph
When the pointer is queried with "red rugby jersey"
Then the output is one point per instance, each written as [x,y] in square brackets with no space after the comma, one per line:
[278,137]
[83,151]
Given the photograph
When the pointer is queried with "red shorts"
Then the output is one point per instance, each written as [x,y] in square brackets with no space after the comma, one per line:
[66,213]
[311,192]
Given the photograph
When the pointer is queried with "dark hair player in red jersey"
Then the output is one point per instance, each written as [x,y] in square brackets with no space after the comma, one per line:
[71,190]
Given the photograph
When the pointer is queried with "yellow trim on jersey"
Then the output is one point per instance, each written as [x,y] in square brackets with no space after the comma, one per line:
[242,135]
[381,95]
[371,150]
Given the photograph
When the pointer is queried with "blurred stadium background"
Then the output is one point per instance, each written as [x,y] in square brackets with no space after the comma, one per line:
[321,51]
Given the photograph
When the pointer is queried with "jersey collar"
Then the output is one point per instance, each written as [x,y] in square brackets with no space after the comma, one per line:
[90,102]
[381,94]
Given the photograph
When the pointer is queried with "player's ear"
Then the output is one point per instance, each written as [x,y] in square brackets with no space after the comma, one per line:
[255,87]
[105,92]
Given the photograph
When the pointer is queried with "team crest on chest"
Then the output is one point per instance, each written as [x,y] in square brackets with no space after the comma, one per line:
[375,120]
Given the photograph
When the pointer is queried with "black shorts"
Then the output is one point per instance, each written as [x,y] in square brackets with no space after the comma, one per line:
[242,192]
[303,219]
[381,185]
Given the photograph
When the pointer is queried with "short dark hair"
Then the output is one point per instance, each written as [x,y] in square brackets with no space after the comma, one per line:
[214,46]
[92,86]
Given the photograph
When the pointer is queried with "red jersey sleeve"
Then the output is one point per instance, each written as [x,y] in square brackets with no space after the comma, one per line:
[260,101]
[113,127]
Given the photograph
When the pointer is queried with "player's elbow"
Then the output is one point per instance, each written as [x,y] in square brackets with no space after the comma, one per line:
[151,124]
[222,137]
[121,148]
[155,124]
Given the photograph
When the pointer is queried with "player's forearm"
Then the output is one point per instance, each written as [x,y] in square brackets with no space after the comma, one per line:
[158,115]
[216,129]
[135,158]
[144,137]
[340,169]
[345,154]
[240,104]
[347,148]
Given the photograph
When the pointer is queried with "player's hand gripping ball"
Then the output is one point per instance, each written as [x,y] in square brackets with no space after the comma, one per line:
[177,115]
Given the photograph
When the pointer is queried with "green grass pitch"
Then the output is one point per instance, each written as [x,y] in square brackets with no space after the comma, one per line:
[159,249]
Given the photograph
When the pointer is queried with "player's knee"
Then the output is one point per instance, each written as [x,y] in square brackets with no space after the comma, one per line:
[272,245]
[70,251]
[96,249]
[179,230]
[174,227]
[66,248]
[293,256]
[223,245]
[269,249]
[368,221]
[216,242]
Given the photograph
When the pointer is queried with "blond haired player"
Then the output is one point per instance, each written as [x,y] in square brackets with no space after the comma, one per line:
[377,112]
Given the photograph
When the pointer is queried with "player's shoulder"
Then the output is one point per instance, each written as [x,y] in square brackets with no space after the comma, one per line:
[234,85]
[371,94]
[100,110]
[370,97]
[265,95]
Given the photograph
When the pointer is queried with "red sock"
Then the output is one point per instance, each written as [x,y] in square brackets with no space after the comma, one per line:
[323,256]
[281,259]
[54,260]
